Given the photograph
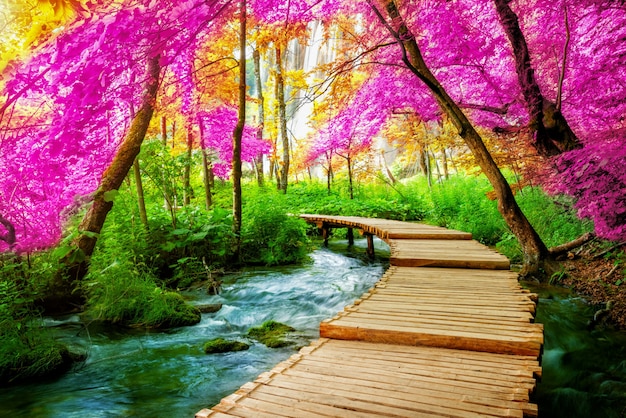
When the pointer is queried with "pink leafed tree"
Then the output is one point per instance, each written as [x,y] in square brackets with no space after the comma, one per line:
[217,127]
[65,111]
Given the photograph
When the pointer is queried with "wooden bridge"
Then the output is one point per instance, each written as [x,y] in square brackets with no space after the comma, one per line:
[446,332]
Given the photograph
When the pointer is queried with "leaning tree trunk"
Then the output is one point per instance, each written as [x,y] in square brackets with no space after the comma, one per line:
[258,161]
[551,133]
[238,133]
[75,265]
[534,250]
[282,119]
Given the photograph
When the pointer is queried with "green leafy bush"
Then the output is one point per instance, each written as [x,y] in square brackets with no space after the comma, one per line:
[461,203]
[270,235]
[27,351]
[202,240]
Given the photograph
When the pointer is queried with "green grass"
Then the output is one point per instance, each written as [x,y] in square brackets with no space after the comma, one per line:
[126,294]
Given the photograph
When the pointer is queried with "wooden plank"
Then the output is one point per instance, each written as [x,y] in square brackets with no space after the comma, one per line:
[409,387]
[417,301]
[307,406]
[491,331]
[436,309]
[449,357]
[477,320]
[327,392]
[397,376]
[433,338]
[418,365]
[411,261]
[471,294]
[442,375]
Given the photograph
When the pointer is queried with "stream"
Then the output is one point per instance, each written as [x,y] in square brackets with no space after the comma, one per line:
[133,373]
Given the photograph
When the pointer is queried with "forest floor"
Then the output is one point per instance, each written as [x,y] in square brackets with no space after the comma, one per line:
[597,274]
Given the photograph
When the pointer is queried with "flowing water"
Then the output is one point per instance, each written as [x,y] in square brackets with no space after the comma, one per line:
[132,373]
[166,374]
[584,371]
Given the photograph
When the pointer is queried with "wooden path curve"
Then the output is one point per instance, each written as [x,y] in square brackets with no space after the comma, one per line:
[446,332]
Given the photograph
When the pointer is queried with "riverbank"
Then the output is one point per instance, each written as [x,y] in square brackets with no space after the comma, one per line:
[596,272]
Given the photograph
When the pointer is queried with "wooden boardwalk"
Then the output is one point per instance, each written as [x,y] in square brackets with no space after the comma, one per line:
[446,332]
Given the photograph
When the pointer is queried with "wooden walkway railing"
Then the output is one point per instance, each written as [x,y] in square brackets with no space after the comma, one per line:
[446,332]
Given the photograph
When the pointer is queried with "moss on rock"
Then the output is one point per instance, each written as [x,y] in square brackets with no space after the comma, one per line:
[48,359]
[220,345]
[271,333]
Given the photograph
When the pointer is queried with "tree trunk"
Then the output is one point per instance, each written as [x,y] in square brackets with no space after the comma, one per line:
[187,192]
[551,133]
[238,133]
[329,177]
[258,162]
[9,236]
[350,187]
[444,163]
[533,248]
[164,130]
[282,119]
[166,193]
[206,173]
[173,134]
[75,265]
[141,202]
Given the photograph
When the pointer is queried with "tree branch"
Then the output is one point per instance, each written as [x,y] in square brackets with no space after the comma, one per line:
[492,109]
[559,93]
[563,248]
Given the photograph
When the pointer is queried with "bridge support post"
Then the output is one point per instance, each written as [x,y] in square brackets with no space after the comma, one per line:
[370,245]
[350,236]
[325,234]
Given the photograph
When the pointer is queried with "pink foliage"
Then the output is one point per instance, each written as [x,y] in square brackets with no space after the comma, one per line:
[67,109]
[217,135]
[595,176]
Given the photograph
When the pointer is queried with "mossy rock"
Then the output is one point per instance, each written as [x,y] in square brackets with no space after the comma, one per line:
[48,360]
[220,345]
[271,333]
[181,313]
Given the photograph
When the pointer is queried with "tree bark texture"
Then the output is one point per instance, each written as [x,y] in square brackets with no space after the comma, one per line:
[187,192]
[534,249]
[551,133]
[9,236]
[238,132]
[141,202]
[206,174]
[282,117]
[258,162]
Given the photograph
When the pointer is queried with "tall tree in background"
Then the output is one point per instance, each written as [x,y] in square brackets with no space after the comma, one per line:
[258,162]
[282,120]
[238,132]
